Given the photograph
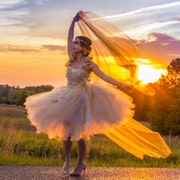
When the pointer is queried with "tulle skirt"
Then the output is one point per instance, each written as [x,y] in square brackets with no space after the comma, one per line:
[79,111]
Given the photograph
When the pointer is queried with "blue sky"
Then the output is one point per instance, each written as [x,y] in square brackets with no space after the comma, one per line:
[35,25]
[50,18]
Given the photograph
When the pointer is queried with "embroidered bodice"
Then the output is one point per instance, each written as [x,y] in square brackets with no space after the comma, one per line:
[76,77]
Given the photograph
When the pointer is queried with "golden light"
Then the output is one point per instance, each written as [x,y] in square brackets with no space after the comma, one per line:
[148,73]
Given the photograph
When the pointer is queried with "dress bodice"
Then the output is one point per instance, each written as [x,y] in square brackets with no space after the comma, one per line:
[76,77]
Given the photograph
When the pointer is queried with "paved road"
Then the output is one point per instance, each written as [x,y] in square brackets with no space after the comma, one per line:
[92,173]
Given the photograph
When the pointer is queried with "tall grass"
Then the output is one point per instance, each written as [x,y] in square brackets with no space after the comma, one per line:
[20,145]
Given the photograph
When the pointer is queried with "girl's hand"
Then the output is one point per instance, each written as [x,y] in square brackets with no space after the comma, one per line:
[76,18]
[125,87]
[128,88]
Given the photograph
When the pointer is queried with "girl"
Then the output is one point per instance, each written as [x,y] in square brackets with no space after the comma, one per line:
[81,108]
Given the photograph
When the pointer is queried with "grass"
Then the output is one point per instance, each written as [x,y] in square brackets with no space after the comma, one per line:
[20,145]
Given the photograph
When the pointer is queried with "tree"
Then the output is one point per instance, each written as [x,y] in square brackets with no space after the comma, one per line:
[164,115]
[172,79]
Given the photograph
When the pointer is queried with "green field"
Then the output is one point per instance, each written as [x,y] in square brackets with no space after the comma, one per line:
[20,145]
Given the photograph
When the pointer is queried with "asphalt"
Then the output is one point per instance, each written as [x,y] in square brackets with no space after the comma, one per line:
[92,173]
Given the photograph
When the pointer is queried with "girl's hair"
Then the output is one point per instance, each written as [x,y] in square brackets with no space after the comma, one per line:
[85,43]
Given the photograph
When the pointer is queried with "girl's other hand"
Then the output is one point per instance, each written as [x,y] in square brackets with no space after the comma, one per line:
[76,18]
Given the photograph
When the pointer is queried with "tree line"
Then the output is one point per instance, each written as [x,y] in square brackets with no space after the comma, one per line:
[16,95]
[162,110]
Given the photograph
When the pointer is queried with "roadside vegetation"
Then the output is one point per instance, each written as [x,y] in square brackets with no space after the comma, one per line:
[21,145]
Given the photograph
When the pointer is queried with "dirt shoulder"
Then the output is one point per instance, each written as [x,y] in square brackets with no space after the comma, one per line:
[92,173]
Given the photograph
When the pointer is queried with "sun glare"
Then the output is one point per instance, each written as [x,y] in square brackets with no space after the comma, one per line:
[148,74]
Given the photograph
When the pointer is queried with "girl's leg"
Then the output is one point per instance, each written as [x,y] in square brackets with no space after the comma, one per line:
[80,166]
[81,151]
[67,151]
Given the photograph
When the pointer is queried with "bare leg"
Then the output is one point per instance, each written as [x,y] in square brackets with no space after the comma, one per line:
[81,155]
[67,149]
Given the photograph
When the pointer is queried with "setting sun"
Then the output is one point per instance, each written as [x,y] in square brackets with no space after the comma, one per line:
[147,73]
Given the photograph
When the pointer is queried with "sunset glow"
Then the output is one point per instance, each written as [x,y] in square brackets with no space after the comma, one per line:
[33,47]
[148,74]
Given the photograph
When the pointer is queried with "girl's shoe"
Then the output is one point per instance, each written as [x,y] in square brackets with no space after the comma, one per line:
[78,170]
[65,169]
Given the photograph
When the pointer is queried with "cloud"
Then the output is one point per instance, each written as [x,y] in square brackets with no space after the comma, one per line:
[9,3]
[142,30]
[138,23]
[55,48]
[8,48]
[161,49]
[14,48]
[15,14]
[145,10]
[47,19]
[10,21]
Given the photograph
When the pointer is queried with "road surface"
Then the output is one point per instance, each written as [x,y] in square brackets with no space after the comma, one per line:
[92,173]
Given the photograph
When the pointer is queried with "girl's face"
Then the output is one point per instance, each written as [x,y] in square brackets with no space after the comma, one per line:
[76,48]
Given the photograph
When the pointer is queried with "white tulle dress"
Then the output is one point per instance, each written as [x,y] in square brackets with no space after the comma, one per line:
[79,109]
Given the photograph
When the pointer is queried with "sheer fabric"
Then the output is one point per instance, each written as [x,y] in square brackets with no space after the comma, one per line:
[138,139]
[115,53]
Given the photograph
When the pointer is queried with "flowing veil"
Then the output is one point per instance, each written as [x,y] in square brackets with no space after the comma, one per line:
[115,53]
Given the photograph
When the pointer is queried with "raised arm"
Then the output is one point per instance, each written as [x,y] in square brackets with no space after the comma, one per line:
[71,34]
[99,73]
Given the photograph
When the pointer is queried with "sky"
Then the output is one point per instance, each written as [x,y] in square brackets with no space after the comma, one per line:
[33,34]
